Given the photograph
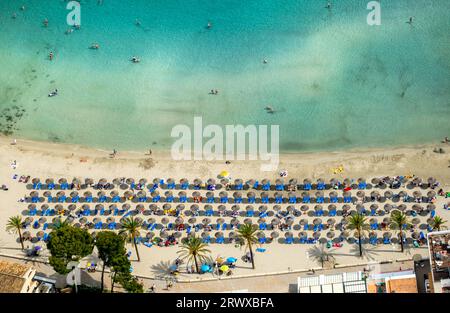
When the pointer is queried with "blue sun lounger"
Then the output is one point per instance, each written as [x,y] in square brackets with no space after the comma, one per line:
[238,200]
[306,199]
[260,250]
[334,199]
[156,199]
[224,200]
[239,186]
[209,212]
[265,199]
[50,199]
[102,199]
[279,199]
[224,226]
[148,244]
[250,213]
[220,240]
[332,213]
[51,186]
[210,200]
[45,226]
[320,186]
[386,241]
[293,199]
[347,199]
[279,187]
[262,240]
[433,213]
[362,185]
[262,226]
[266,187]
[289,240]
[207,239]
[251,200]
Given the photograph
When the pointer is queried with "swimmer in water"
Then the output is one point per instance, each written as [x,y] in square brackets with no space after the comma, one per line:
[265,61]
[69,31]
[95,46]
[22,8]
[45,22]
[14,15]
[50,56]
[137,22]
[410,21]
[135,60]
[209,26]
[328,6]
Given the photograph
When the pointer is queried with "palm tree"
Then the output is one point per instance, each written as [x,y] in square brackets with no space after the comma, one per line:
[438,223]
[15,225]
[398,221]
[321,255]
[130,229]
[358,223]
[194,249]
[247,233]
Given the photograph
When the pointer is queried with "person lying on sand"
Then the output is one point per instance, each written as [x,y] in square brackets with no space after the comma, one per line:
[446,140]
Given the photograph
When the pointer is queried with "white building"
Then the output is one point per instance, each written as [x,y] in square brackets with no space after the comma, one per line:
[352,282]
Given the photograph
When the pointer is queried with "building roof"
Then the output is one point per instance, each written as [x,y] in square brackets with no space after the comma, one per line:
[11,276]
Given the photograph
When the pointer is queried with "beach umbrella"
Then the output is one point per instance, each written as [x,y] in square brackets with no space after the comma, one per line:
[302,234]
[235,208]
[62,181]
[431,194]
[112,207]
[347,182]
[289,221]
[402,193]
[304,208]
[177,234]
[206,221]
[388,194]
[98,207]
[261,220]
[345,233]
[274,234]
[83,220]
[331,234]
[293,182]
[110,220]
[276,208]
[150,235]
[387,234]
[156,180]
[387,207]
[290,208]
[251,182]
[237,194]
[307,181]
[167,194]
[221,208]
[179,220]
[249,208]
[264,194]
[346,207]
[194,208]
[232,235]
[238,181]
[373,220]
[417,180]
[220,221]
[319,194]
[224,174]
[417,194]
[164,234]
[164,220]
[279,181]
[415,235]
[265,181]
[417,207]
[431,207]
[317,221]
[402,207]
[360,194]
[361,180]
[318,207]
[29,219]
[303,221]
[218,234]
[251,194]
[31,206]
[248,221]
[275,221]
[35,180]
[415,221]
[262,208]
[205,234]
[431,181]
[347,194]
[387,220]
[234,221]
[331,221]
[117,181]
[316,234]
[192,220]
[129,181]
[288,234]
[197,182]
[101,194]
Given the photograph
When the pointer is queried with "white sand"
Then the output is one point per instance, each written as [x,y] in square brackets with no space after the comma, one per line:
[45,160]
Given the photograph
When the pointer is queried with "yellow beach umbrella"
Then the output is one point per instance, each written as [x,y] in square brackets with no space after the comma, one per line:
[224,174]
[224,268]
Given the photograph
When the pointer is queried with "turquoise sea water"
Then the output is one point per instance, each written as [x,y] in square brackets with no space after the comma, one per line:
[334,81]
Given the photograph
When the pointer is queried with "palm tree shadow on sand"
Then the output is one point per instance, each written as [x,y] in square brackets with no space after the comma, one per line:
[322,256]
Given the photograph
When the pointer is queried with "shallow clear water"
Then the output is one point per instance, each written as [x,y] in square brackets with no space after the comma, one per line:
[334,81]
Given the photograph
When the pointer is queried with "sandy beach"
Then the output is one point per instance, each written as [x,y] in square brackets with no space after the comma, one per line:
[44,160]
